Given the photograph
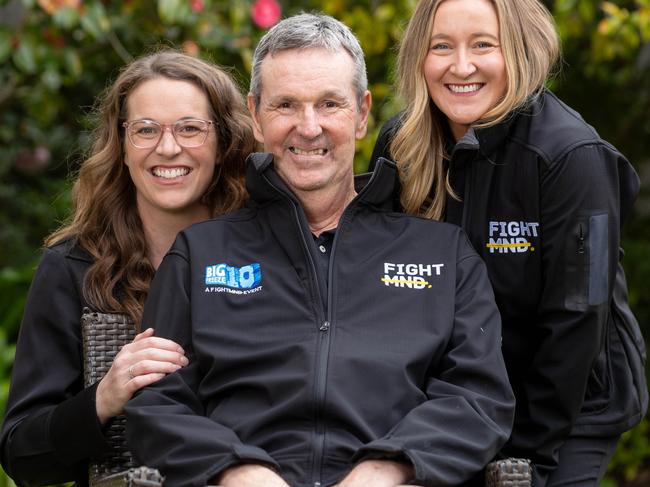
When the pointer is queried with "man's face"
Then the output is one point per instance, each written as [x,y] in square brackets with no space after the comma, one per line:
[309,119]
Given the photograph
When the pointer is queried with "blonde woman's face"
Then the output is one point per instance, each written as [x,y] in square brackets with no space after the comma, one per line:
[170,178]
[465,69]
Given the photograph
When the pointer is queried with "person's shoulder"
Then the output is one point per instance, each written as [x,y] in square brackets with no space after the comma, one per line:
[447,238]
[68,247]
[213,231]
[551,128]
[439,229]
[218,223]
[393,123]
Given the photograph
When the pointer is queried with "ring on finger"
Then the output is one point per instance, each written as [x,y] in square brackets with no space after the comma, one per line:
[131,374]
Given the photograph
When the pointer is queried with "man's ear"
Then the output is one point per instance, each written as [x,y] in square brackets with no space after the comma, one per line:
[364,113]
[257,130]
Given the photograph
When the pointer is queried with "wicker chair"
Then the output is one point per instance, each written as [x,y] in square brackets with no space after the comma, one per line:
[104,334]
[510,472]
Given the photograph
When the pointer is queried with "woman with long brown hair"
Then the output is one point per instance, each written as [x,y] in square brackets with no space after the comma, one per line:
[483,144]
[169,150]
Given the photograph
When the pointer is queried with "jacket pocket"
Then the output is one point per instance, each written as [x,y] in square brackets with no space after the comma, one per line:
[587,262]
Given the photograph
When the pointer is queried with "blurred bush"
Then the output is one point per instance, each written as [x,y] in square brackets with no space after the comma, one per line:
[57,55]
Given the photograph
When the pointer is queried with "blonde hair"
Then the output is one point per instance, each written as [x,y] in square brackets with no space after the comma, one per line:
[105,221]
[530,48]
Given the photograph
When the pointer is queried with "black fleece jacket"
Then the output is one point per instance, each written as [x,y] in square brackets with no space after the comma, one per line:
[542,201]
[404,361]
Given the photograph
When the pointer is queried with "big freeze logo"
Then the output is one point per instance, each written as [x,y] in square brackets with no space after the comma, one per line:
[221,278]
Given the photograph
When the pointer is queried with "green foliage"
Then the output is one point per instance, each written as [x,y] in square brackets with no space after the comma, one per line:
[56,56]
[631,454]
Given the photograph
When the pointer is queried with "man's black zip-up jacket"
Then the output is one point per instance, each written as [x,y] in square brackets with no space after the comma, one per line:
[403,362]
[542,201]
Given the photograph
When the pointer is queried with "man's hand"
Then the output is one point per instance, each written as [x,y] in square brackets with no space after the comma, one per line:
[378,473]
[250,475]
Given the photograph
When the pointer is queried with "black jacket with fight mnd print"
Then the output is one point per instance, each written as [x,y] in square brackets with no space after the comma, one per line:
[400,358]
[542,201]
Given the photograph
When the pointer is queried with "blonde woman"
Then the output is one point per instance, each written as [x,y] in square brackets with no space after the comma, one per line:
[484,145]
[169,150]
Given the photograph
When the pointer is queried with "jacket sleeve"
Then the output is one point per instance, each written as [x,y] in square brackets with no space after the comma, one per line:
[51,427]
[582,196]
[167,427]
[469,412]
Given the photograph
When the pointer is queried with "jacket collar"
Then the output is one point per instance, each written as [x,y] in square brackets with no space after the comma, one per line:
[72,250]
[379,188]
[489,139]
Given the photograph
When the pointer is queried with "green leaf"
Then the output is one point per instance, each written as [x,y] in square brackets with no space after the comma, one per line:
[72,63]
[95,22]
[173,11]
[52,79]
[66,18]
[25,58]
[5,45]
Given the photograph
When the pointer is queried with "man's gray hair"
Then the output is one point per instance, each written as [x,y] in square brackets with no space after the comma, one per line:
[305,31]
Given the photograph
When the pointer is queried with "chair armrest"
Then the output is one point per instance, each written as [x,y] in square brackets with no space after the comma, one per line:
[133,477]
[509,472]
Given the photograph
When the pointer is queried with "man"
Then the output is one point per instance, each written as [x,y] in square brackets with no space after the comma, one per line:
[332,340]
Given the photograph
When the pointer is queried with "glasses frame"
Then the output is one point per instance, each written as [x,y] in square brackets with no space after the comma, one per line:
[163,127]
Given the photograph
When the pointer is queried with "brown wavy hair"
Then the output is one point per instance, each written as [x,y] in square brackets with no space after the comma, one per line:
[105,221]
[530,47]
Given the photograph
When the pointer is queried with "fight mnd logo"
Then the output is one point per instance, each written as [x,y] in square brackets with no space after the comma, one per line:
[234,280]
[411,276]
[515,237]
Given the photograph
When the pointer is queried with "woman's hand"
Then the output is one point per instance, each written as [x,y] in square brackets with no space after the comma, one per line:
[140,363]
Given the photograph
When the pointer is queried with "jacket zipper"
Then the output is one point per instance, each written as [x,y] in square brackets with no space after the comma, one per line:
[324,328]
[581,240]
[323,359]
[323,339]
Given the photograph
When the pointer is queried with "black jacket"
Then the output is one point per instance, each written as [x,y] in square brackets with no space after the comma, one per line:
[51,428]
[543,198]
[404,360]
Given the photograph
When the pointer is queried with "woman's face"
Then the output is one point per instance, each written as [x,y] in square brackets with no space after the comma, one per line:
[170,178]
[464,69]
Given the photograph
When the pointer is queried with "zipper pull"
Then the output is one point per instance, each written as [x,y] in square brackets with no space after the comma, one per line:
[581,241]
[324,327]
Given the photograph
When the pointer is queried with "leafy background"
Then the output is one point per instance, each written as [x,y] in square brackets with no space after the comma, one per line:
[57,55]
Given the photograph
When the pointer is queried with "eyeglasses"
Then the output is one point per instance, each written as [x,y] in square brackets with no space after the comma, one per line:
[146,134]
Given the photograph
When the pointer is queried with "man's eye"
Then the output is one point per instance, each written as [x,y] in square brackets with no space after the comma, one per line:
[330,104]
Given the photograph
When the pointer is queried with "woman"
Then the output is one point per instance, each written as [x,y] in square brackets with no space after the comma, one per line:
[484,145]
[169,151]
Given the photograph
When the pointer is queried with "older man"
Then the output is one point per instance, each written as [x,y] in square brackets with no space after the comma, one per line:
[332,340]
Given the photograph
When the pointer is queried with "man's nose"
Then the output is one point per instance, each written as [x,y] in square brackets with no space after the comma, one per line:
[309,125]
[167,145]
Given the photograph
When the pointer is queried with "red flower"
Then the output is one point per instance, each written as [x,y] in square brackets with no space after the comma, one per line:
[197,5]
[266,13]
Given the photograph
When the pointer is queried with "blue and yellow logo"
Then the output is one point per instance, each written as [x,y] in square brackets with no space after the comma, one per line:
[245,277]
